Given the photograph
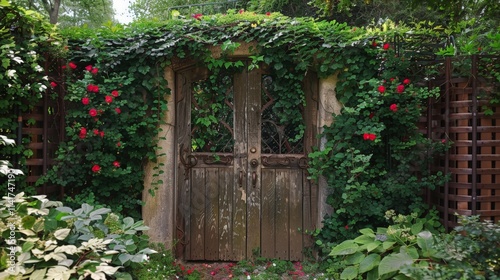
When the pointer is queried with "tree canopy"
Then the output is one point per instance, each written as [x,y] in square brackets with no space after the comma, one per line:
[73,12]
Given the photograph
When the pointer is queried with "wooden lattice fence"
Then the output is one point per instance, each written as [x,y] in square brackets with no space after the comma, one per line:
[468,115]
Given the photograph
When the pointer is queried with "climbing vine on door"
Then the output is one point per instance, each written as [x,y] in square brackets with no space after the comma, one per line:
[242,182]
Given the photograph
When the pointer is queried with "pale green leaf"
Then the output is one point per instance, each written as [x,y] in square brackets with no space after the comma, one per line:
[369,263]
[345,248]
[350,272]
[394,262]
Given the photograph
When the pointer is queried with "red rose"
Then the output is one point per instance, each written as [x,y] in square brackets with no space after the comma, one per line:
[85,101]
[371,115]
[118,110]
[96,168]
[241,11]
[366,136]
[96,132]
[101,133]
[381,89]
[72,65]
[108,99]
[406,81]
[83,130]
[386,46]
[268,13]
[346,227]
[94,71]
[115,93]
[88,68]
[400,88]
[118,144]
[372,136]
[393,107]
[116,164]
[197,16]
[93,112]
[53,84]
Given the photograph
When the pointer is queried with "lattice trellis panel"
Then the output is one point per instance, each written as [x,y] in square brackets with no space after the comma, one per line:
[465,116]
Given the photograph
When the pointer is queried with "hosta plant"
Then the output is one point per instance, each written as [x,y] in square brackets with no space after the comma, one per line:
[382,253]
[42,239]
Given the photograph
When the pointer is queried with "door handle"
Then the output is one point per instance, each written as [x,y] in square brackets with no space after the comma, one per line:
[254,179]
[254,163]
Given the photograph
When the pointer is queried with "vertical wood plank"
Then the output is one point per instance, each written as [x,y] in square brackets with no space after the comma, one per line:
[295,205]
[486,179]
[183,110]
[226,191]
[212,214]
[463,178]
[239,222]
[268,234]
[197,231]
[254,175]
[282,214]
[307,218]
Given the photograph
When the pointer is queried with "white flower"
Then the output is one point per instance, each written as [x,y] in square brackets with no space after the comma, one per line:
[38,68]
[11,73]
[42,87]
[46,78]
[17,59]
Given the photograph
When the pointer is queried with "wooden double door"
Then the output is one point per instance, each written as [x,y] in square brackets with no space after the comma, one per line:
[242,187]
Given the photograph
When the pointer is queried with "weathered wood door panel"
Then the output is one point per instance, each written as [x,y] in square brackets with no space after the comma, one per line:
[241,181]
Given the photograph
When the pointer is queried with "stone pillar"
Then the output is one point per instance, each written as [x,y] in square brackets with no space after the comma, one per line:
[158,210]
[329,106]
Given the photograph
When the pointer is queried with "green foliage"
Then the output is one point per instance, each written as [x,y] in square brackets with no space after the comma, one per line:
[112,124]
[415,248]
[471,251]
[26,41]
[381,254]
[158,266]
[42,238]
[374,157]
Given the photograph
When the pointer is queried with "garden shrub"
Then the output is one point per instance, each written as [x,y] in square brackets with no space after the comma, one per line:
[375,158]
[42,239]
[415,248]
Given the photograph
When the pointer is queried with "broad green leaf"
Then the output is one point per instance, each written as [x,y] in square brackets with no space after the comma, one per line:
[372,275]
[364,239]
[28,221]
[122,276]
[368,232]
[355,258]
[349,272]
[27,246]
[372,246]
[416,228]
[100,211]
[394,262]
[369,263]
[425,242]
[345,248]
[387,244]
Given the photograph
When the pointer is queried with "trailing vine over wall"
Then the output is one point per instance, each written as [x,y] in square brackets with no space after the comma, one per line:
[369,159]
